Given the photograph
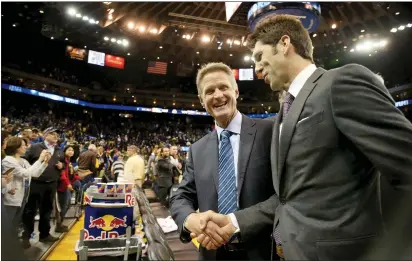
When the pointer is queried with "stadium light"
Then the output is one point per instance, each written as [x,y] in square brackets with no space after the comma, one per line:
[130,25]
[153,31]
[142,29]
[333,26]
[85,18]
[119,41]
[78,15]
[230,54]
[205,39]
[113,40]
[236,42]
[125,42]
[409,25]
[394,30]
[128,53]
[106,38]
[246,58]
[92,21]
[229,41]
[71,11]
[97,22]
[401,27]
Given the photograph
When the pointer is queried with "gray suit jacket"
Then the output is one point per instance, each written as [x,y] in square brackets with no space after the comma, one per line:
[198,189]
[341,133]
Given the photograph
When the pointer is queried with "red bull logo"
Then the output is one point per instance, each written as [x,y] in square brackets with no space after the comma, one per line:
[120,188]
[117,222]
[98,223]
[107,225]
[101,187]
[87,200]
[111,188]
[128,188]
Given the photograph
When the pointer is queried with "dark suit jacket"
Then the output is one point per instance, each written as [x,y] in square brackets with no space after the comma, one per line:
[165,172]
[341,131]
[51,173]
[198,189]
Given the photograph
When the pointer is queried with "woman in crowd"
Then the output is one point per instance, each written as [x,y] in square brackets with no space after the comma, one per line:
[23,171]
[68,182]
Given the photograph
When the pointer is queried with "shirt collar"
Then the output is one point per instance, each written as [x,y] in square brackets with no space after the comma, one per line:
[48,145]
[301,79]
[234,126]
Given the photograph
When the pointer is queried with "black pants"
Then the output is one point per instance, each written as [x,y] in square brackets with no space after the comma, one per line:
[222,254]
[41,197]
[162,193]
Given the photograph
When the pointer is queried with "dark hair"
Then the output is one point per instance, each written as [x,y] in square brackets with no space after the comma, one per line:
[271,31]
[67,147]
[4,136]
[13,144]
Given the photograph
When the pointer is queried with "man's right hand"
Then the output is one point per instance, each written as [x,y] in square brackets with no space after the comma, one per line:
[203,227]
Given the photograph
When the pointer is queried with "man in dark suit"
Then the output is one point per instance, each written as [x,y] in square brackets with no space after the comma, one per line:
[43,189]
[227,170]
[166,173]
[335,133]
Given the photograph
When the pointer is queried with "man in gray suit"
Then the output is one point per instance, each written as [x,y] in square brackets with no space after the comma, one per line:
[227,170]
[335,133]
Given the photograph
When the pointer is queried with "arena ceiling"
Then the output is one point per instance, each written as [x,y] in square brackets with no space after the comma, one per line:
[192,32]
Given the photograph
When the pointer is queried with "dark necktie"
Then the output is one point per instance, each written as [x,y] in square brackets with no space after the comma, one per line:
[287,103]
[227,195]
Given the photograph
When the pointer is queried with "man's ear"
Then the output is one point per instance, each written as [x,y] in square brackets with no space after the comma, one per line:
[237,93]
[201,100]
[286,45]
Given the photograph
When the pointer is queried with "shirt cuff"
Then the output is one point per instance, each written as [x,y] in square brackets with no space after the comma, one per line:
[234,221]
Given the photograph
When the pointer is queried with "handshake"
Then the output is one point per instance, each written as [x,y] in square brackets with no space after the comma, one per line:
[211,230]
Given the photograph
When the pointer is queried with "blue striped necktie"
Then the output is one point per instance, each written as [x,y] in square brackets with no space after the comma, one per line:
[227,195]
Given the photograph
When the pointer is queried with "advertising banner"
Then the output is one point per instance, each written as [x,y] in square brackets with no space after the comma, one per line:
[114,61]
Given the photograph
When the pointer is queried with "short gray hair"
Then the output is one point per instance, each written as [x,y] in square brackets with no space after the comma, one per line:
[380,78]
[92,147]
[214,67]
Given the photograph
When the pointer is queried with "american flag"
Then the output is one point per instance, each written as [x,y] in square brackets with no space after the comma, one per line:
[157,67]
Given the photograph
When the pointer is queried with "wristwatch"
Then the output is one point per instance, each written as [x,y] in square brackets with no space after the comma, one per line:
[235,238]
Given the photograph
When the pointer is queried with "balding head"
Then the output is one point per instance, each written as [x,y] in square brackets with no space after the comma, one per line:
[92,147]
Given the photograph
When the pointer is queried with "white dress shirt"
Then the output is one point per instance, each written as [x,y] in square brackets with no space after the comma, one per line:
[298,83]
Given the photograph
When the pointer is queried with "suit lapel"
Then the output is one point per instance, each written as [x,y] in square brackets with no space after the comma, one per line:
[212,149]
[289,124]
[247,138]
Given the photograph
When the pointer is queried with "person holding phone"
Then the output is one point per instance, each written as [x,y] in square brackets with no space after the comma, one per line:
[21,170]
